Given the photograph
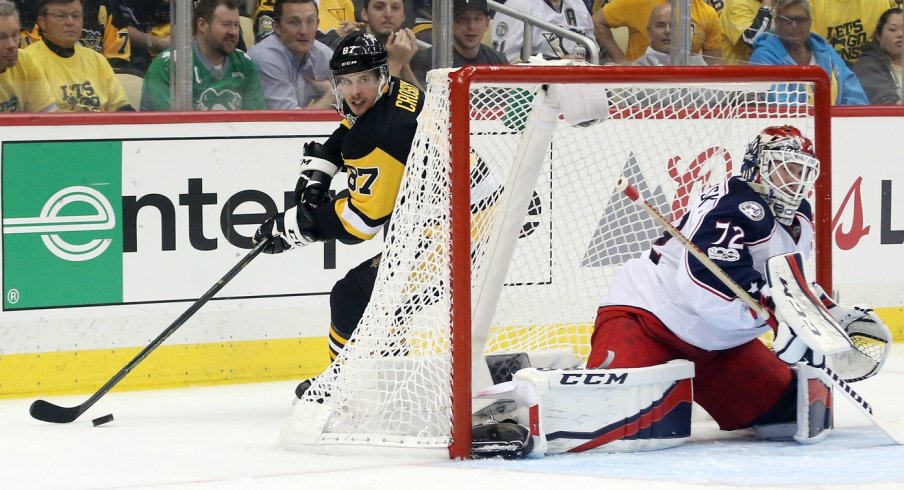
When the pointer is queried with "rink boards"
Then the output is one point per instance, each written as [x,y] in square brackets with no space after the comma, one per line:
[111,231]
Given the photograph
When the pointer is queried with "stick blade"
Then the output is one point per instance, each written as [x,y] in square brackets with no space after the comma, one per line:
[48,412]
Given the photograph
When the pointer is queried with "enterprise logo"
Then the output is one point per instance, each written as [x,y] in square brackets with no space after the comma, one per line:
[51,222]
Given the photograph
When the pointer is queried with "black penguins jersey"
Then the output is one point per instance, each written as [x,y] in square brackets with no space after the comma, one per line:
[374,149]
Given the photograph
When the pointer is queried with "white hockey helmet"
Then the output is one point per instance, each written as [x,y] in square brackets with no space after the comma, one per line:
[781,166]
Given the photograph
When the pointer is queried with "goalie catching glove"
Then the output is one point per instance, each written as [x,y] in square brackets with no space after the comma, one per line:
[318,166]
[868,333]
[287,230]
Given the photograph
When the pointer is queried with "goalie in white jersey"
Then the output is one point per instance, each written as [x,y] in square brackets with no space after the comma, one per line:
[666,305]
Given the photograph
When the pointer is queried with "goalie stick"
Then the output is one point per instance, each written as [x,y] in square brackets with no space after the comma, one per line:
[893,429]
[48,412]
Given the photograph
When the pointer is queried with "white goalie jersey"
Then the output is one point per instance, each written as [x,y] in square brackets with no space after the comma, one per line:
[732,224]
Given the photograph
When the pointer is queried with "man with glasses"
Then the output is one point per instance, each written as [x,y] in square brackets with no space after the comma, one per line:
[23,87]
[294,66]
[223,78]
[81,78]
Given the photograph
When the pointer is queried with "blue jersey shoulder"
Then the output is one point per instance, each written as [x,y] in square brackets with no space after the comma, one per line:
[744,207]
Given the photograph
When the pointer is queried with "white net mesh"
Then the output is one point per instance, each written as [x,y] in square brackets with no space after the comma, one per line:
[391,385]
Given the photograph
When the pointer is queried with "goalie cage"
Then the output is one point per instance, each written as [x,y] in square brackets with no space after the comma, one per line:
[508,228]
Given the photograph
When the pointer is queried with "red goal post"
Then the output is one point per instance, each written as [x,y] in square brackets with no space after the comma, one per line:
[508,229]
[460,86]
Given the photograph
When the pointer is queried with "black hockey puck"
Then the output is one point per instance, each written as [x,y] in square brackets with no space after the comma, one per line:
[102,420]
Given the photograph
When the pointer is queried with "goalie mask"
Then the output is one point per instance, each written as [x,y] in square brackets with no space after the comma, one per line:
[357,53]
[781,166]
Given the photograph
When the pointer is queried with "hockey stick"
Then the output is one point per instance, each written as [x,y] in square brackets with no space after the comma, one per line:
[624,186]
[48,412]
[893,429]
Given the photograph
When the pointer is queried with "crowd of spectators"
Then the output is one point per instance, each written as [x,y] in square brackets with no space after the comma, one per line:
[74,49]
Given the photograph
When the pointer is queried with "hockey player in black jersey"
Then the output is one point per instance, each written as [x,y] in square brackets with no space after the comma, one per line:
[371,146]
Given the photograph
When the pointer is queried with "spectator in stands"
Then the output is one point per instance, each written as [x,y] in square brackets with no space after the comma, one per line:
[294,67]
[634,14]
[384,19]
[794,44]
[847,25]
[104,29]
[149,29]
[409,5]
[224,78]
[81,78]
[333,15]
[23,87]
[471,20]
[879,68]
[508,33]
[659,30]
[742,21]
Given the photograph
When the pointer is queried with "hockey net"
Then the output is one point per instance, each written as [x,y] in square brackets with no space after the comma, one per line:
[508,230]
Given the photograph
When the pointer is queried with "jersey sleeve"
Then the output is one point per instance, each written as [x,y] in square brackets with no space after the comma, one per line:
[713,39]
[252,96]
[374,152]
[40,98]
[155,92]
[508,35]
[617,13]
[737,17]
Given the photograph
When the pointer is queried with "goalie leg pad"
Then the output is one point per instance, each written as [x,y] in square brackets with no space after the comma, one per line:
[612,410]
[815,413]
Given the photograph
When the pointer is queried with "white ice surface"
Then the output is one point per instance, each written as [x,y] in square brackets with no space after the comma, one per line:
[226,438]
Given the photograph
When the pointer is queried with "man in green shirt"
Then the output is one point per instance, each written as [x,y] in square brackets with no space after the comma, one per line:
[223,78]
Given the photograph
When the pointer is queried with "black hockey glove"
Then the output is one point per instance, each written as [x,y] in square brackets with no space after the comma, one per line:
[318,165]
[287,230]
